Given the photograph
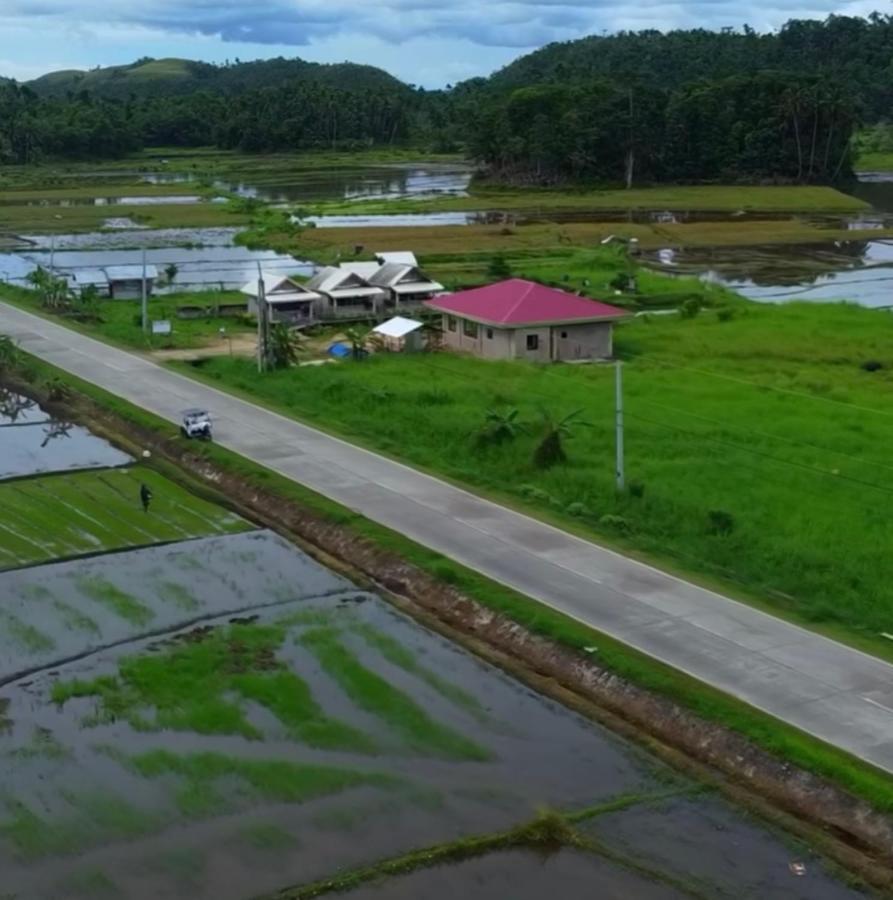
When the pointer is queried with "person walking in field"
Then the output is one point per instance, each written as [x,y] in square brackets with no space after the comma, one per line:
[145,497]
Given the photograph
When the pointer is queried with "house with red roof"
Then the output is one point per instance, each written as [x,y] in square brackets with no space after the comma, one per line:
[518,319]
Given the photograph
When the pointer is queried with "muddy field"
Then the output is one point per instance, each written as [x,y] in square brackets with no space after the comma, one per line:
[216,715]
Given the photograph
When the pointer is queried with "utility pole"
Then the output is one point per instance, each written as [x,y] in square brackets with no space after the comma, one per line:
[618,407]
[261,321]
[145,297]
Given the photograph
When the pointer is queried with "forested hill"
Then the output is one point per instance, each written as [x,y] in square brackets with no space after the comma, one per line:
[685,106]
[164,77]
[853,52]
[629,108]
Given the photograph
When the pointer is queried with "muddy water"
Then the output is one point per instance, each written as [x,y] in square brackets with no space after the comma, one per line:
[31,443]
[205,258]
[538,754]
[712,843]
[521,875]
[90,819]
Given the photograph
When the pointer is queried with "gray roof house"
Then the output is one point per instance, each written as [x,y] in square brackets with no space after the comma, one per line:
[288,301]
[406,285]
[344,293]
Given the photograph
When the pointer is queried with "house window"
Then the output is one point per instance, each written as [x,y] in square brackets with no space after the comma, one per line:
[469,329]
[489,334]
[451,323]
[533,342]
[564,335]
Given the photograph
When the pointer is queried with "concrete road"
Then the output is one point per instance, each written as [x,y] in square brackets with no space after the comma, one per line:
[832,691]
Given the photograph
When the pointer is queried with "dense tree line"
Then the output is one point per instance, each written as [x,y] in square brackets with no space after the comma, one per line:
[628,108]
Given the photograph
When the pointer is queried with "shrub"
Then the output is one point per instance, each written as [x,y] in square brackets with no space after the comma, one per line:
[499,267]
[578,510]
[872,365]
[434,398]
[720,522]
[725,314]
[636,489]
[690,308]
[615,523]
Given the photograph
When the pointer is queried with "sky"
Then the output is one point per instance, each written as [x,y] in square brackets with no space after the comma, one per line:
[425,42]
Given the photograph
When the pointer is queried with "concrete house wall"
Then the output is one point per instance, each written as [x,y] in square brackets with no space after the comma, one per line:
[588,340]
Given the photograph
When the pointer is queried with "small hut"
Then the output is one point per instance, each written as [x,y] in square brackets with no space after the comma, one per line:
[400,335]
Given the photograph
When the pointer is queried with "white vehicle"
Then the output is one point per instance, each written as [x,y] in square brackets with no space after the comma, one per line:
[196,424]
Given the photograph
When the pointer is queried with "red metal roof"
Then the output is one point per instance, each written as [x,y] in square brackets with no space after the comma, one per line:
[518,302]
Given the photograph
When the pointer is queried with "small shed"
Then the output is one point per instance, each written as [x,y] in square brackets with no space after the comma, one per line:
[126,282]
[400,334]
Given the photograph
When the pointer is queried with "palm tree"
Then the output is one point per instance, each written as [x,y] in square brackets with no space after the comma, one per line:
[550,449]
[499,427]
[283,347]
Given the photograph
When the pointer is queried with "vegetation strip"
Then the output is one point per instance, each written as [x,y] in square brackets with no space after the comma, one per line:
[323,522]
[549,832]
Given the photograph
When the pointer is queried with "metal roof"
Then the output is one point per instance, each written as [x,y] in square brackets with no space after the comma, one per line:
[273,283]
[518,302]
[404,257]
[397,327]
[130,273]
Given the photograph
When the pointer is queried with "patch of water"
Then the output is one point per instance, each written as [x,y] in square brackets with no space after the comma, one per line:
[171,585]
[858,272]
[520,875]
[712,844]
[370,183]
[32,443]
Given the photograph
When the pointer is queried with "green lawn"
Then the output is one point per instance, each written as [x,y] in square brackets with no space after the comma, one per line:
[120,322]
[756,446]
[874,162]
[57,516]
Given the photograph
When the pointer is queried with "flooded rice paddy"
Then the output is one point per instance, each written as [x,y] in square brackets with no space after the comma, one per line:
[206,258]
[31,442]
[855,271]
[210,713]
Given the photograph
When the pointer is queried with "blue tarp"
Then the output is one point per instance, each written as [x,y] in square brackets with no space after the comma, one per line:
[339,350]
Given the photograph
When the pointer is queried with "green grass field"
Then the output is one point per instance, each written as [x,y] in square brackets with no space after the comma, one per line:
[56,516]
[756,445]
[121,322]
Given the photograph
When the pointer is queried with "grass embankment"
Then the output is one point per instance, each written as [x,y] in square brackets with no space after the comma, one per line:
[120,322]
[57,516]
[545,835]
[704,198]
[777,485]
[874,162]
[434,244]
[776,737]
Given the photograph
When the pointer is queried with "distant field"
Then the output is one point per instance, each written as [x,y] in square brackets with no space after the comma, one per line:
[715,198]
[67,515]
